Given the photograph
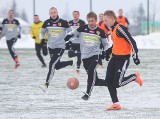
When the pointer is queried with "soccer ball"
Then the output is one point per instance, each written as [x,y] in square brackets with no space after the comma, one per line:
[72,83]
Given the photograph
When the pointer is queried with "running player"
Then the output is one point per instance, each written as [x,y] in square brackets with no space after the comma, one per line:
[104,27]
[55,28]
[123,46]
[12,31]
[122,19]
[35,34]
[90,37]
[75,46]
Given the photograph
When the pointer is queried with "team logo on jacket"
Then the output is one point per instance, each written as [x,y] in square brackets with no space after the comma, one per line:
[78,24]
[91,31]
[59,24]
[54,25]
[14,22]
[97,32]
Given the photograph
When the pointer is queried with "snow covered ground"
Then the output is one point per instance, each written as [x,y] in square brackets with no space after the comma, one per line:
[20,97]
[151,41]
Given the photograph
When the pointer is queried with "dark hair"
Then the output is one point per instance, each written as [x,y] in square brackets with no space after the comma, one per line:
[11,11]
[92,15]
[110,13]
[36,15]
[76,11]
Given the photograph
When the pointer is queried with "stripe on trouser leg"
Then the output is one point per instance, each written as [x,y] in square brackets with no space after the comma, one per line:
[94,80]
[13,50]
[122,75]
[53,69]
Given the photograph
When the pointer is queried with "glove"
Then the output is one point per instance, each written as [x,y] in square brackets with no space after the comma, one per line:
[34,37]
[105,55]
[43,42]
[68,45]
[19,36]
[136,59]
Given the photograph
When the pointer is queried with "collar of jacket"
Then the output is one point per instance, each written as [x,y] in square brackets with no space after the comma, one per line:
[37,22]
[55,20]
[114,25]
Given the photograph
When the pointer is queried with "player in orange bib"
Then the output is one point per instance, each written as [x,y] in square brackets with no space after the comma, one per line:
[123,47]
[106,29]
[121,19]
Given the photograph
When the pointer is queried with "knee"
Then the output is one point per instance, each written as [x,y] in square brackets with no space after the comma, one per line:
[71,53]
[38,53]
[57,67]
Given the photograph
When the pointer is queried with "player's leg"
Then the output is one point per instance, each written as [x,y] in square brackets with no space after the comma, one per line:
[55,63]
[91,76]
[71,51]
[77,48]
[121,67]
[38,53]
[10,44]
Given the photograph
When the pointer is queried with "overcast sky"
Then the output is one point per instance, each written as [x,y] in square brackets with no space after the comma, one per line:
[42,6]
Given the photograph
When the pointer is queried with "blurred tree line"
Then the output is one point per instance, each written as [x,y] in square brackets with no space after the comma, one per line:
[138,19]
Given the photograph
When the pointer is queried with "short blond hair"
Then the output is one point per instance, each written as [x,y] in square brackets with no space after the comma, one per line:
[110,13]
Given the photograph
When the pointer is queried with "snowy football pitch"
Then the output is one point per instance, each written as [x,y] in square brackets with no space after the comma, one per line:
[20,97]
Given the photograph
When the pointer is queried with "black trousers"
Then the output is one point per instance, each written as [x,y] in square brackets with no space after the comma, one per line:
[116,69]
[10,44]
[90,65]
[72,53]
[38,48]
[55,62]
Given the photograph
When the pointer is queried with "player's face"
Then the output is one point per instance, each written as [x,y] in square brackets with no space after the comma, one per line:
[36,19]
[10,14]
[92,22]
[100,18]
[109,21]
[120,12]
[53,13]
[75,15]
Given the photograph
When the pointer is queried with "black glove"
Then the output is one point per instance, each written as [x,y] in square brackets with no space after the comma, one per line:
[68,45]
[106,55]
[19,36]
[43,42]
[34,37]
[103,54]
[136,59]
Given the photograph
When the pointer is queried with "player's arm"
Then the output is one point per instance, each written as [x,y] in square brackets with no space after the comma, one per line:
[123,32]
[32,33]
[0,29]
[43,30]
[127,21]
[20,29]
[73,33]
[67,26]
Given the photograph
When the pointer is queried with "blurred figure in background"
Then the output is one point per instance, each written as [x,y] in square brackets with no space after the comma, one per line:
[122,19]
[75,46]
[35,34]
[12,30]
[105,28]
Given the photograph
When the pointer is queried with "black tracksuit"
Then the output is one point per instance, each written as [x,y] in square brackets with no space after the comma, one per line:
[75,47]
[118,65]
